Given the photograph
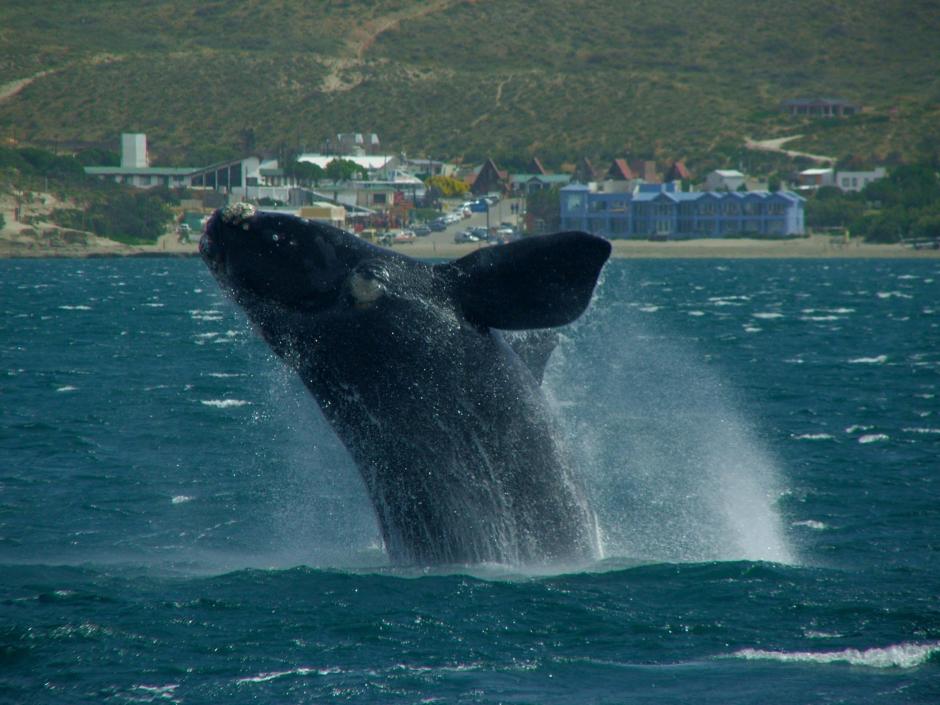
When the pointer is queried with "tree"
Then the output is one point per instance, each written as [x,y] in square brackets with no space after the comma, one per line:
[447,186]
[344,170]
[305,172]
[545,206]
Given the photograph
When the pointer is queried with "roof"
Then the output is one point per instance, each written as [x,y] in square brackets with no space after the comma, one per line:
[544,178]
[728,173]
[816,172]
[370,162]
[620,171]
[140,170]
[818,101]
[677,172]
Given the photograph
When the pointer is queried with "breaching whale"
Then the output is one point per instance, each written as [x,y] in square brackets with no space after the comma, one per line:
[440,409]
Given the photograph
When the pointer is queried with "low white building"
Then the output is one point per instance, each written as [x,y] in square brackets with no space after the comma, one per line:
[811,179]
[857,180]
[724,180]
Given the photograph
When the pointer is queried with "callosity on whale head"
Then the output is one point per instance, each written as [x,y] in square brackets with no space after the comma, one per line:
[441,412]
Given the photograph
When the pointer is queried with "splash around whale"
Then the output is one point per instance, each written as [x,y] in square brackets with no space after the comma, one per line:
[430,376]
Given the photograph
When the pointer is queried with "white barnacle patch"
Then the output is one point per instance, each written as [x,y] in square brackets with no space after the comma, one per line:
[237,213]
[365,289]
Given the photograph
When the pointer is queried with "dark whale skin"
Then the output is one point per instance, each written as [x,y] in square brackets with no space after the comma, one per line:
[447,424]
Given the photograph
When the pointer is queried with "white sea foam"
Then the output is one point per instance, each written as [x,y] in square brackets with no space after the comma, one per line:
[154,693]
[153,304]
[274,675]
[181,499]
[696,313]
[67,388]
[76,307]
[841,311]
[874,438]
[893,295]
[879,360]
[922,430]
[812,524]
[225,403]
[208,315]
[225,375]
[811,437]
[728,299]
[752,329]
[813,634]
[819,318]
[648,309]
[904,655]
[767,315]
[858,427]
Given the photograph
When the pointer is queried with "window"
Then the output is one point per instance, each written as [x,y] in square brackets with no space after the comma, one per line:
[574,202]
[379,199]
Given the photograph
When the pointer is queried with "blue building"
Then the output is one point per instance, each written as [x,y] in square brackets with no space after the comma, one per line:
[661,210]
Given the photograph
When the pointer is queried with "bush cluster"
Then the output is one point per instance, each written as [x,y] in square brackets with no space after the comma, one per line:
[904,205]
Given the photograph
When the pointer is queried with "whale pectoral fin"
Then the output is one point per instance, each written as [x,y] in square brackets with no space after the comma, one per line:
[538,282]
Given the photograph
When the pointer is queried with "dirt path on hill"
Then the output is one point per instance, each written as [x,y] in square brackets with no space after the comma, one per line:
[776,145]
[361,40]
[8,90]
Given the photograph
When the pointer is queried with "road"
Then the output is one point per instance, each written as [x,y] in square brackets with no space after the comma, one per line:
[499,213]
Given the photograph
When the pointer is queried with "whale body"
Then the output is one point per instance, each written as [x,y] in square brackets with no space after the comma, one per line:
[430,376]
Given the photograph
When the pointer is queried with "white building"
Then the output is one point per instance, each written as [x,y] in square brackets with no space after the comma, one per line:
[724,180]
[857,180]
[812,179]
[134,150]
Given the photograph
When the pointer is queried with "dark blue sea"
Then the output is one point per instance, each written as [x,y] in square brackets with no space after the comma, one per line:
[760,439]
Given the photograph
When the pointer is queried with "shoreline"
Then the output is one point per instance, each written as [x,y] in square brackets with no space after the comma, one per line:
[811,247]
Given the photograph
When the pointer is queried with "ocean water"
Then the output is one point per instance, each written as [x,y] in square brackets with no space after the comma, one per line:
[760,439]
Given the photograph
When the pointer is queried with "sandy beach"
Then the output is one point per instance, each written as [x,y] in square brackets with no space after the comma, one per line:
[14,245]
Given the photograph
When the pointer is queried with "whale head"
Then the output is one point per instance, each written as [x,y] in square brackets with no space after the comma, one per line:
[291,262]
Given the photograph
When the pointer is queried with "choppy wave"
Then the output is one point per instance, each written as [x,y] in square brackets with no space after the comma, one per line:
[904,655]
[225,403]
[878,360]
[812,437]
[812,524]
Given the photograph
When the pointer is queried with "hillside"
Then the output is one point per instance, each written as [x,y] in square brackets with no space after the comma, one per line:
[501,77]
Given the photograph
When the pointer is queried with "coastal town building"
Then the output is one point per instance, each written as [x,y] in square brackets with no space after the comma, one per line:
[489,179]
[724,180]
[812,179]
[857,180]
[520,184]
[820,107]
[353,144]
[663,211]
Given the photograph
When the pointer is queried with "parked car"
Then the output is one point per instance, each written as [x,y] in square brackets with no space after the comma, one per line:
[465,236]
[404,237]
[438,225]
[422,230]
